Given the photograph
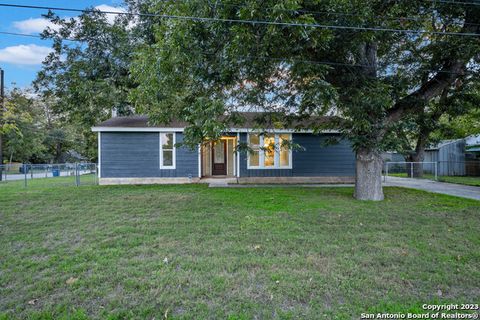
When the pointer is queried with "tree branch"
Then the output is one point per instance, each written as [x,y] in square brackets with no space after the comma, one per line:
[453,67]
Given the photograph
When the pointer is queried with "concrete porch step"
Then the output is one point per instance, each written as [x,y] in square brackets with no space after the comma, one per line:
[219,182]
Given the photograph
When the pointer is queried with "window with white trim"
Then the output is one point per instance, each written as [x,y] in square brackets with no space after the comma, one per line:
[254,155]
[269,151]
[167,150]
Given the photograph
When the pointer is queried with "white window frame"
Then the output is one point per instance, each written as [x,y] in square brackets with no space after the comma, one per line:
[174,151]
[276,162]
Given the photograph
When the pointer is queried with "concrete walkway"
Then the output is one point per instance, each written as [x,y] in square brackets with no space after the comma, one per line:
[458,190]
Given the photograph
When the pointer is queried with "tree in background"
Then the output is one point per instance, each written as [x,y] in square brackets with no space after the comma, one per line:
[33,134]
[21,128]
[87,76]
[370,80]
[438,120]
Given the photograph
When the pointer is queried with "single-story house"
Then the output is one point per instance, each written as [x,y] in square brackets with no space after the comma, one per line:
[131,151]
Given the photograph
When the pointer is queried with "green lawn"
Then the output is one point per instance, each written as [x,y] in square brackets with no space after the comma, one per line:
[184,252]
[469,181]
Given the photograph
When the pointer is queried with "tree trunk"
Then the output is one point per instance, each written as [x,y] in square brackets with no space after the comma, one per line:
[417,156]
[58,152]
[368,176]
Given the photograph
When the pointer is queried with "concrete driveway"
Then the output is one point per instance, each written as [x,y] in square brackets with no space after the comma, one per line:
[458,190]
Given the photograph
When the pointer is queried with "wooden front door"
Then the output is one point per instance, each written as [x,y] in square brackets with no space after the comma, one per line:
[219,158]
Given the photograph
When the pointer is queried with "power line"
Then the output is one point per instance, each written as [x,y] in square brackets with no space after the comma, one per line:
[401,19]
[286,60]
[19,34]
[241,21]
[455,2]
[32,35]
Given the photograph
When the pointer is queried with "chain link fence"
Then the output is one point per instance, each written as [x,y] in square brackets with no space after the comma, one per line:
[64,174]
[411,170]
[461,172]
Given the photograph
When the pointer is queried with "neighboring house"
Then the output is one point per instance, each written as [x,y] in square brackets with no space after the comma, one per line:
[133,152]
[449,155]
[458,157]
[473,146]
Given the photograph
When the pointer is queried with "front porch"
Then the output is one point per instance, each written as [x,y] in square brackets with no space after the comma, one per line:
[219,160]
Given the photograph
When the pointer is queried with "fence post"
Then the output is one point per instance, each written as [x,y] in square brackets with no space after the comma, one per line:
[95,174]
[76,174]
[411,169]
[25,174]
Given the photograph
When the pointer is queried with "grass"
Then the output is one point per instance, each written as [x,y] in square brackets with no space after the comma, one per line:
[183,252]
[469,181]
[85,179]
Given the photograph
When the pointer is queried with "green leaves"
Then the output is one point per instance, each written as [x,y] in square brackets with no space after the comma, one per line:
[202,72]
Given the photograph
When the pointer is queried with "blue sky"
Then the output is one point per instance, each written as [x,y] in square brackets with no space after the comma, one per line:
[21,57]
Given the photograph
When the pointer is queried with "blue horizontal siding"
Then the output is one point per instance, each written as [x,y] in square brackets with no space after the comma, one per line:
[137,155]
[318,159]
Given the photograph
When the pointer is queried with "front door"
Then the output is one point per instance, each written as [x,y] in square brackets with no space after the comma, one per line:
[219,158]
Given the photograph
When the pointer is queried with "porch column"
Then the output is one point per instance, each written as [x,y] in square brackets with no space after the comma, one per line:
[237,156]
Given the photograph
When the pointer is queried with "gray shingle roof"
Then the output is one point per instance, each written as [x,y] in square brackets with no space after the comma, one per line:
[137,121]
[251,121]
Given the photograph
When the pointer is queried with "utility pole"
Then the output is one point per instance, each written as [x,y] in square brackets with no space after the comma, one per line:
[2,98]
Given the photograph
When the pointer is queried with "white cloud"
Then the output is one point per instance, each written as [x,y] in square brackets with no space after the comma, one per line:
[30,54]
[34,25]
[110,17]
[37,25]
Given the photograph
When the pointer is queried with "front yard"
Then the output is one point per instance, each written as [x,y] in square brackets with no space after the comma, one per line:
[186,252]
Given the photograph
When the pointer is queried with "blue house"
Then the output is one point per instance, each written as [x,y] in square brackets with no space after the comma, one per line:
[130,151]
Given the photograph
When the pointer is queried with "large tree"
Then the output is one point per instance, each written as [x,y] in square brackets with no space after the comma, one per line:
[438,120]
[87,76]
[299,59]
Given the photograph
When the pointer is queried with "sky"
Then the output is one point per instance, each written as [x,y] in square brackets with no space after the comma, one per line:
[21,57]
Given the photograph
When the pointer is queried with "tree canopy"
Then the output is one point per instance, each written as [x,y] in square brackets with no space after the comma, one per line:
[371,64]
[377,68]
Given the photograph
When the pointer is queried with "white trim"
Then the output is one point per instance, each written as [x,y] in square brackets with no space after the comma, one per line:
[261,154]
[174,151]
[265,130]
[139,129]
[199,160]
[226,158]
[232,130]
[237,155]
[290,157]
[99,154]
